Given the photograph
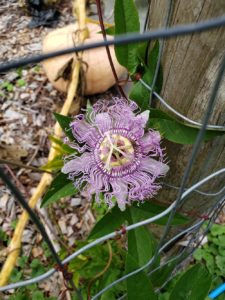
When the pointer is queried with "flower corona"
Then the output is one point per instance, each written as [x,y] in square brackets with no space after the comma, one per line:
[119,158]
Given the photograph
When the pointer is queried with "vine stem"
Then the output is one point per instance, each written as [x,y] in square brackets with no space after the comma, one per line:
[102,272]
[13,249]
[21,165]
[101,22]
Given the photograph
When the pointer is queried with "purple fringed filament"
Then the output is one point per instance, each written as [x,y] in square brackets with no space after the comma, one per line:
[119,158]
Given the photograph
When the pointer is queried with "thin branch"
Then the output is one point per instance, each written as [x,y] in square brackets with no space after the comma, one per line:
[20,165]
[102,272]
[101,22]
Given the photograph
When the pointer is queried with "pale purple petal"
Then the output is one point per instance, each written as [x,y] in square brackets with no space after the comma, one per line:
[103,122]
[150,142]
[120,191]
[78,164]
[143,118]
[156,168]
[84,132]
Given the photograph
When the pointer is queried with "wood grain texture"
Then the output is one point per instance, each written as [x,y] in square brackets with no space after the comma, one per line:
[190,66]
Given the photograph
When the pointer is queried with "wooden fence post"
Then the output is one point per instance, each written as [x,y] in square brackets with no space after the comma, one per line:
[190,66]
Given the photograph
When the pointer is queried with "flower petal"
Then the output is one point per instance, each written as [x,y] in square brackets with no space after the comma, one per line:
[103,122]
[120,190]
[84,132]
[77,164]
[150,142]
[143,117]
[156,168]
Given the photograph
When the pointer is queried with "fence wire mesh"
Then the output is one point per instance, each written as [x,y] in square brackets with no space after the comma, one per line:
[194,233]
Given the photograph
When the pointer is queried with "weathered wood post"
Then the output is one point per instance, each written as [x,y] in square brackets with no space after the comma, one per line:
[190,65]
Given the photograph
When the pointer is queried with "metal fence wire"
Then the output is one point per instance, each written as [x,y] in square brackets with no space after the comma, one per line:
[194,233]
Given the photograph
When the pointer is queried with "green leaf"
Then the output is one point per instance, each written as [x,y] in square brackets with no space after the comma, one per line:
[153,56]
[19,71]
[220,262]
[22,261]
[63,148]
[141,243]
[38,295]
[115,218]
[111,276]
[221,250]
[193,285]
[57,162]
[37,267]
[109,223]
[36,69]
[32,287]
[16,275]
[149,209]
[14,224]
[110,30]
[139,93]
[64,123]
[3,236]
[164,296]
[157,113]
[138,286]
[53,165]
[199,254]
[221,239]
[21,82]
[60,187]
[217,229]
[141,52]
[161,275]
[141,247]
[178,132]
[8,86]
[126,20]
[20,295]
[210,262]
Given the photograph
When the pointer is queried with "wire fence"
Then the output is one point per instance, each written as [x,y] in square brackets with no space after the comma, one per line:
[194,233]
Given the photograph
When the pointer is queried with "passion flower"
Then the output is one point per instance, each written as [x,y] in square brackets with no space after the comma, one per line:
[119,158]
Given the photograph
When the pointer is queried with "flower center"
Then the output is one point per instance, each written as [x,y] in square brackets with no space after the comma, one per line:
[118,153]
[115,151]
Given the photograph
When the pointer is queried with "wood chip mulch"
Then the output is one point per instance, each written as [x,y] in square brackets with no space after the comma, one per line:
[27,102]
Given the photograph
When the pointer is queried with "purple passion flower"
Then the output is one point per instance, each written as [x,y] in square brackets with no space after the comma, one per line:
[119,160]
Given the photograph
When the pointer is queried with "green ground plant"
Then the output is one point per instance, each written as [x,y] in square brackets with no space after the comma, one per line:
[212,254]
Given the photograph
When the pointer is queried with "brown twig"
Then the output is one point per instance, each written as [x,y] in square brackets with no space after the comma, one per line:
[20,165]
[60,238]
[102,272]
[101,22]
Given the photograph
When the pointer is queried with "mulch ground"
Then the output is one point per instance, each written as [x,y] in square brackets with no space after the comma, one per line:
[27,102]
